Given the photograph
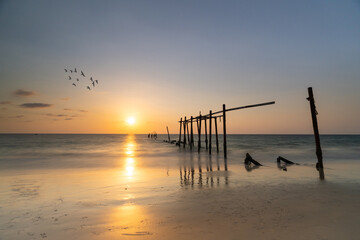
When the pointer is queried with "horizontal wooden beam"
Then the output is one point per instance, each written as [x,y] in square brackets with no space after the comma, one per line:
[232,109]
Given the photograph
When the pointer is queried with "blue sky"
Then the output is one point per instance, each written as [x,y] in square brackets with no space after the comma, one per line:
[181,57]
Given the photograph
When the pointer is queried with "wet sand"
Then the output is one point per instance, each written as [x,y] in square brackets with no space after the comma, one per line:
[159,203]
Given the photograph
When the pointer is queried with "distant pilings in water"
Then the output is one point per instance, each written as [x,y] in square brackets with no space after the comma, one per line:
[152,135]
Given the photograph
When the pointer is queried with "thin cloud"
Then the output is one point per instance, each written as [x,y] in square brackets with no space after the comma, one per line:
[35,105]
[65,99]
[19,116]
[56,115]
[5,102]
[77,110]
[23,93]
[68,118]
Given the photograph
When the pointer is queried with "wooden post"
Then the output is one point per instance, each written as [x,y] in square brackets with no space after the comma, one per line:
[224,130]
[180,132]
[184,131]
[168,133]
[192,133]
[216,134]
[199,133]
[206,138]
[316,130]
[210,133]
[187,129]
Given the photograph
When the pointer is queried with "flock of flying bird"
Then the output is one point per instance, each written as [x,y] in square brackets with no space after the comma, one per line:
[93,82]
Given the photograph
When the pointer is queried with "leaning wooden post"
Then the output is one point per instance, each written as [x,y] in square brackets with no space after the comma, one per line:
[199,133]
[206,138]
[180,132]
[224,129]
[192,133]
[210,133]
[216,134]
[184,131]
[168,133]
[316,130]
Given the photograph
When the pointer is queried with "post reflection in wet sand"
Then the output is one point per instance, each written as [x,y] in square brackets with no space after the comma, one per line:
[187,170]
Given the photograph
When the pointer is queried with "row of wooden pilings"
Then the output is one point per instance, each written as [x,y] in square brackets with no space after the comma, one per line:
[188,135]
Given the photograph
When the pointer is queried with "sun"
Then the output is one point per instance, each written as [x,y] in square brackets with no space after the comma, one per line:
[130,120]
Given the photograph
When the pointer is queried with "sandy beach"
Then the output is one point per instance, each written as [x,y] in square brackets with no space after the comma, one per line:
[180,195]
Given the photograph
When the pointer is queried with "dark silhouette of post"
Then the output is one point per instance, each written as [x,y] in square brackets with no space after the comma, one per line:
[210,133]
[206,137]
[180,132]
[199,133]
[216,134]
[188,134]
[184,132]
[192,133]
[168,133]
[224,130]
[316,130]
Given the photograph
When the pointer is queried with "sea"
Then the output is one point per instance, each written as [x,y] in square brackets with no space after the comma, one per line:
[104,150]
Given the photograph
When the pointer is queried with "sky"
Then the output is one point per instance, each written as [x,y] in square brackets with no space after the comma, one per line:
[157,61]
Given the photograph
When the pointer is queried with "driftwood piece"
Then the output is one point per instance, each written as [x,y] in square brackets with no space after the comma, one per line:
[284,160]
[248,160]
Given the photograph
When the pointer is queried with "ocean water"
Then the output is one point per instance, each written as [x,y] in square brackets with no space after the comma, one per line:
[97,150]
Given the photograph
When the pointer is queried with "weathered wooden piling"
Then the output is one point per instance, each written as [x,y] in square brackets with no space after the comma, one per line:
[224,131]
[188,134]
[192,133]
[184,131]
[210,128]
[216,135]
[180,132]
[316,129]
[199,133]
[168,133]
[206,136]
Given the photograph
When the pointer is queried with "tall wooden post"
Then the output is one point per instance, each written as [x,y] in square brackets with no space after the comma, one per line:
[216,134]
[206,137]
[224,129]
[168,133]
[188,134]
[192,133]
[316,130]
[184,131]
[210,133]
[180,132]
[199,134]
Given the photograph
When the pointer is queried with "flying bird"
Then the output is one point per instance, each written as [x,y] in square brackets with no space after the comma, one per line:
[88,87]
[65,70]
[69,78]
[96,81]
[75,70]
[93,84]
[82,74]
[77,79]
[91,79]
[71,71]
[74,84]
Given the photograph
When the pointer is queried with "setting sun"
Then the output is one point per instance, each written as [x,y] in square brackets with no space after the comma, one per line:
[130,121]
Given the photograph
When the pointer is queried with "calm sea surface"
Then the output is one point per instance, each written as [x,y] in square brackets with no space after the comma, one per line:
[86,150]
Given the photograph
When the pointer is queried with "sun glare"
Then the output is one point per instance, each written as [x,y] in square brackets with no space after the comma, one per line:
[130,121]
